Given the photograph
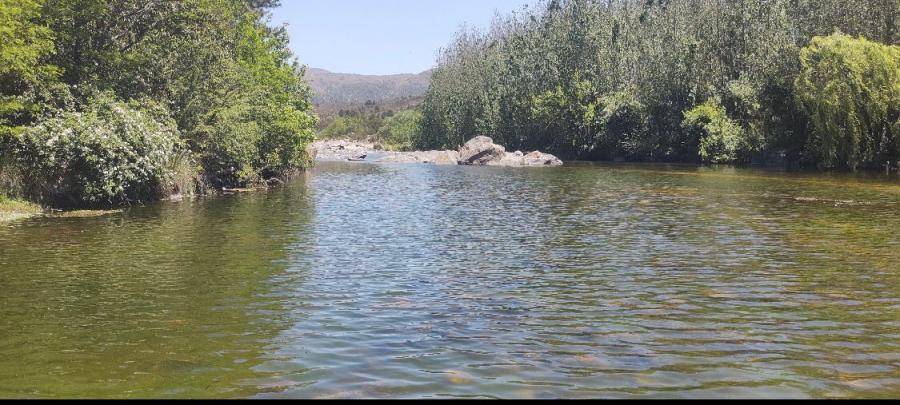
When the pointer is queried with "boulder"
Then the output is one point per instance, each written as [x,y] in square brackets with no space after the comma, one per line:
[399,157]
[479,151]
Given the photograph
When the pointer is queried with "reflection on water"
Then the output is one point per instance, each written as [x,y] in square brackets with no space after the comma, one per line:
[365,280]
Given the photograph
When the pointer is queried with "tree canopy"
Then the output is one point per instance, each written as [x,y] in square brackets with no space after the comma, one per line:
[225,77]
[675,80]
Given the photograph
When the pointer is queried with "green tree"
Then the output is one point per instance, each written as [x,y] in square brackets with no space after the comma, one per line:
[399,131]
[231,83]
[24,42]
[851,90]
[227,79]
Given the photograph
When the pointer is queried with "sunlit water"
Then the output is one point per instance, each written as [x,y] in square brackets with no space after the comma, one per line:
[367,280]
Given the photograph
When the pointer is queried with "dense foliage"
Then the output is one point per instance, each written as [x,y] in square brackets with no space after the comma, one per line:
[24,42]
[108,154]
[229,83]
[671,80]
[393,130]
[400,130]
[851,90]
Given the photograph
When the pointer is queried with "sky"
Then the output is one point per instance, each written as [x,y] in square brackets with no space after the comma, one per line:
[380,36]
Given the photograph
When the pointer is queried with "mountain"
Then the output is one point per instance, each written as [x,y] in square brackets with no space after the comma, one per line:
[336,89]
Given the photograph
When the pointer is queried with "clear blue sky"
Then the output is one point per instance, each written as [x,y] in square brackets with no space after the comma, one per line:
[380,36]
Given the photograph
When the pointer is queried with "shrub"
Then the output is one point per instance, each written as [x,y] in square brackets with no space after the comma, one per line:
[282,147]
[112,153]
[400,131]
[623,123]
[245,145]
[722,139]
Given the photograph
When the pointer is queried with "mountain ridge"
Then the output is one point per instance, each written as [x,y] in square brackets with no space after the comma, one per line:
[331,88]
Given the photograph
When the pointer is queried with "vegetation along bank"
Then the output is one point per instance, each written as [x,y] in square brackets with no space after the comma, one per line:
[109,103]
[113,102]
[811,83]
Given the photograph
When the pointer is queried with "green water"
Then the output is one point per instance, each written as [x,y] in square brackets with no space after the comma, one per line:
[411,281]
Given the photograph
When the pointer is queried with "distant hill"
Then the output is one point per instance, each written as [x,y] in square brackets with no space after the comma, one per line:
[344,89]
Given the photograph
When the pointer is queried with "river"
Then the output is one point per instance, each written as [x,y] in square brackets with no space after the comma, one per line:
[419,281]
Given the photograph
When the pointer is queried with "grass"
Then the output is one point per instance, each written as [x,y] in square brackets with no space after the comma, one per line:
[12,209]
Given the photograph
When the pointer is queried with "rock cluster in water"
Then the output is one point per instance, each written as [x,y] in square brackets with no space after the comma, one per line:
[482,151]
[479,151]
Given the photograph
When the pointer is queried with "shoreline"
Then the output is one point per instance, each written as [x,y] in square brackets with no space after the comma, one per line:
[479,151]
[12,209]
[361,151]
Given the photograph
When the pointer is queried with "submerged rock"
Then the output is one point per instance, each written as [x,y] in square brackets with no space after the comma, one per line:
[437,157]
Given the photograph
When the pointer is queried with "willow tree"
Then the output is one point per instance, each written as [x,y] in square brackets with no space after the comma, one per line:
[851,90]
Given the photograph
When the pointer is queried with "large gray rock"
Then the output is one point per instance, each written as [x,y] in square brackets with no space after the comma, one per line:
[483,151]
[480,151]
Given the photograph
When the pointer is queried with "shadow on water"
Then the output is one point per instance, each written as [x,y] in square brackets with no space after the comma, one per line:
[167,300]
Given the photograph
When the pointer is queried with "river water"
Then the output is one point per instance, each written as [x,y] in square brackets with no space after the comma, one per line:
[411,281]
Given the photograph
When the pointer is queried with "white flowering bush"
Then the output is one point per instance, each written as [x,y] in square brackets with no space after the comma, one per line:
[112,153]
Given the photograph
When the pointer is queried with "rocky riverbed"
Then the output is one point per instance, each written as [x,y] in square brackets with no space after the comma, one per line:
[480,151]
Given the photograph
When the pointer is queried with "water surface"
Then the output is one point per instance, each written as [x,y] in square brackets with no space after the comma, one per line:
[410,281]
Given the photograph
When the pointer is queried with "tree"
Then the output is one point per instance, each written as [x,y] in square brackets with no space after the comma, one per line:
[399,131]
[851,90]
[24,42]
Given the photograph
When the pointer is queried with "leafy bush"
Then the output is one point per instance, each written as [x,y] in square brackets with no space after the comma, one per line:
[401,130]
[245,145]
[851,90]
[111,153]
[721,141]
[624,122]
[282,148]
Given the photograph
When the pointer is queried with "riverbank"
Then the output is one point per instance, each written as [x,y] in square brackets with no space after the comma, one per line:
[12,209]
[15,210]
